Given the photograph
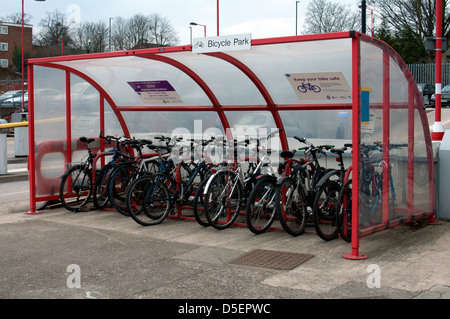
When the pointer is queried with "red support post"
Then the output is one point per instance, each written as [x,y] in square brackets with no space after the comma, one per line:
[31,143]
[438,129]
[356,81]
[386,137]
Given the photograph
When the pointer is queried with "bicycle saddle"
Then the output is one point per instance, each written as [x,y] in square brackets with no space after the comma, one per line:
[338,150]
[287,154]
[87,140]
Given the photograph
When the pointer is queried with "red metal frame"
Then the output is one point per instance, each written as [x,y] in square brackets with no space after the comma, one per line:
[157,54]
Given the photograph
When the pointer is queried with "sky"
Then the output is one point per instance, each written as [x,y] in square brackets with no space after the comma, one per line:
[261,18]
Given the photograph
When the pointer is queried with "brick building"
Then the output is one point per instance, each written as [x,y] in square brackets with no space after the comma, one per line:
[11,36]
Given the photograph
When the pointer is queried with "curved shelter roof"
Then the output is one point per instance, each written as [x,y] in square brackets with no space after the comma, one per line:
[344,87]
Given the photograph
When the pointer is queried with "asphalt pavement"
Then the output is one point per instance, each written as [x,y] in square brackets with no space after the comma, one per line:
[58,254]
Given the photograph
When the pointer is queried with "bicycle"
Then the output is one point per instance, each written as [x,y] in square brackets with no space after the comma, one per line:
[305,87]
[327,198]
[371,187]
[124,173]
[151,197]
[295,194]
[76,183]
[261,210]
[100,191]
[229,188]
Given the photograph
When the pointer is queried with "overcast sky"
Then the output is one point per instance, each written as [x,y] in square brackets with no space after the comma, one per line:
[261,18]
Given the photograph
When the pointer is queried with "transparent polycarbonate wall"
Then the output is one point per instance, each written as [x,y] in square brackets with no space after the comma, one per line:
[267,87]
[394,163]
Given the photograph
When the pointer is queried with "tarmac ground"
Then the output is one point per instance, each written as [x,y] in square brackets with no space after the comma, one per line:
[95,254]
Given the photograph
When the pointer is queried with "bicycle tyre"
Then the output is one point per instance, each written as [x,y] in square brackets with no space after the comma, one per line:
[291,207]
[148,200]
[80,180]
[345,212]
[117,186]
[198,205]
[100,191]
[222,200]
[260,210]
[325,210]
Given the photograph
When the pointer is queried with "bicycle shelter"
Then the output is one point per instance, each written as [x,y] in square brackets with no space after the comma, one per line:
[366,95]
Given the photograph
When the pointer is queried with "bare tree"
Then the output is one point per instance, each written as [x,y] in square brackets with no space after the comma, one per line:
[16,18]
[141,31]
[91,36]
[417,15]
[161,31]
[324,17]
[54,28]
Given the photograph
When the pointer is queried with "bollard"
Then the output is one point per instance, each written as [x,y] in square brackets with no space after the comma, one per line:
[3,149]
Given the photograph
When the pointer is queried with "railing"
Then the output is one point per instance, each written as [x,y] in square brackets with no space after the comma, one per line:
[425,72]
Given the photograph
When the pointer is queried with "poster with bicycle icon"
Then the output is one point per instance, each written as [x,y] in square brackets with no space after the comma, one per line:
[331,86]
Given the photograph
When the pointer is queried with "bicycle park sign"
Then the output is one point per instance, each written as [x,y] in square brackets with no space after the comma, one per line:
[222,43]
[320,86]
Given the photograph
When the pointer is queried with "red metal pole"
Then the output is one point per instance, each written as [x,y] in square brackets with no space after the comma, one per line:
[31,143]
[23,64]
[356,127]
[386,136]
[438,129]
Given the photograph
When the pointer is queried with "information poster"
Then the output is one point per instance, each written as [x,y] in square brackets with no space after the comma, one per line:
[156,92]
[320,86]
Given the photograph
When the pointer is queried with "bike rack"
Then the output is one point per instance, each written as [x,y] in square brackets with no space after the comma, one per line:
[379,83]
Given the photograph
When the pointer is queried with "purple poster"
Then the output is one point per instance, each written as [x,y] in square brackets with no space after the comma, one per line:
[156,92]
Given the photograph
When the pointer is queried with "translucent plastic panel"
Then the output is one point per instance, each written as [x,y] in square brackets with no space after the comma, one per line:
[146,124]
[112,125]
[50,128]
[121,76]
[324,125]
[422,175]
[372,71]
[229,84]
[85,108]
[272,64]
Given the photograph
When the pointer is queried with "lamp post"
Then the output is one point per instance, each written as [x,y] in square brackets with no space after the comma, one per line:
[438,130]
[23,58]
[202,25]
[110,33]
[217,18]
[296,17]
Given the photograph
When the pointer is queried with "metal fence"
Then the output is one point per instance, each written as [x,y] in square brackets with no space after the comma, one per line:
[425,73]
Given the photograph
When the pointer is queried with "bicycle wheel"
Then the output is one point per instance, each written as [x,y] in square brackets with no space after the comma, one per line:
[100,191]
[198,204]
[117,186]
[325,210]
[291,207]
[223,199]
[345,212]
[148,201]
[76,188]
[260,210]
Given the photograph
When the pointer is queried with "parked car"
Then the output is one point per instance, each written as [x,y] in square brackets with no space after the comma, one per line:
[427,91]
[13,98]
[445,97]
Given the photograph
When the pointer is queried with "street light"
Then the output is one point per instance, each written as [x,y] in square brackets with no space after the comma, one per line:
[23,58]
[110,33]
[202,25]
[296,17]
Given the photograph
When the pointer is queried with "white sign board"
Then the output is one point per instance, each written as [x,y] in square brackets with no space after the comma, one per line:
[222,43]
[320,86]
